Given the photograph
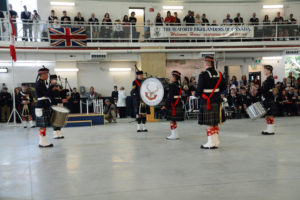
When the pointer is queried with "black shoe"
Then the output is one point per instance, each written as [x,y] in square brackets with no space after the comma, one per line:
[202,147]
[25,127]
[146,130]
[139,131]
[267,133]
[32,127]
[50,145]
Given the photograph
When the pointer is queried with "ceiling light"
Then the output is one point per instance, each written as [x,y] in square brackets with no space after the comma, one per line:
[59,3]
[172,7]
[272,58]
[66,69]
[272,6]
[119,69]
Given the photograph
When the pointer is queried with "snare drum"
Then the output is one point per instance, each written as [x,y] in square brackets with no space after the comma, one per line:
[256,110]
[152,91]
[59,116]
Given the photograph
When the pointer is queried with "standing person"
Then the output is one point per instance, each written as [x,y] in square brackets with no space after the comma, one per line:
[92,95]
[238,19]
[254,20]
[65,19]
[205,21]
[55,94]
[133,20]
[79,19]
[5,104]
[106,28]
[36,25]
[169,20]
[140,108]
[114,95]
[75,101]
[27,24]
[25,100]
[95,26]
[121,104]
[159,21]
[52,17]
[174,105]
[210,85]
[14,16]
[42,110]
[267,93]
[177,20]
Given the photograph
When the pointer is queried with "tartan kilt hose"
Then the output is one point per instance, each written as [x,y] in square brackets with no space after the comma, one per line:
[179,114]
[211,117]
[44,120]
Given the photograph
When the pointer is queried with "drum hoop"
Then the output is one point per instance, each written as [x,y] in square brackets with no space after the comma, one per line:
[66,110]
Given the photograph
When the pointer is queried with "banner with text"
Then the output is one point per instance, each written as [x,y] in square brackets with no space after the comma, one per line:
[201,31]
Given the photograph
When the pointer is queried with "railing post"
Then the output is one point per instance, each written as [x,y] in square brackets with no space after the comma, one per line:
[80,104]
[131,32]
[91,32]
[276,32]
[87,106]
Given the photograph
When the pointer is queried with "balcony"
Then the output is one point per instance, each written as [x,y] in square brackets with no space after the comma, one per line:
[132,37]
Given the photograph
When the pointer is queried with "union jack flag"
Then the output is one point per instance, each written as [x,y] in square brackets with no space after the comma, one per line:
[67,37]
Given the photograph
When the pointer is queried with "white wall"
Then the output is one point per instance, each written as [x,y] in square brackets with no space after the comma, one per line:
[213,11]
[97,75]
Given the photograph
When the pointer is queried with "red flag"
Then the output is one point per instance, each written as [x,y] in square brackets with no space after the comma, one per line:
[12,49]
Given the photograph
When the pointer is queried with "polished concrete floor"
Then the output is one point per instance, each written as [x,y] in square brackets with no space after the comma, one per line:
[114,162]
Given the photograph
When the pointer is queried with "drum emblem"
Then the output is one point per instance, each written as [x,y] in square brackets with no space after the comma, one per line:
[151,95]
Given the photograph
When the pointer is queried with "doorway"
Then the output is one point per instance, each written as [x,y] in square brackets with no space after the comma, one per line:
[235,71]
[140,17]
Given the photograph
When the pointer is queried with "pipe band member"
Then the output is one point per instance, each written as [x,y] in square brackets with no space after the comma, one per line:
[140,108]
[56,97]
[267,93]
[174,104]
[42,110]
[210,85]
[25,100]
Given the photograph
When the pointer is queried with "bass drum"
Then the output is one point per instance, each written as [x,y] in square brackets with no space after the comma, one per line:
[59,116]
[153,91]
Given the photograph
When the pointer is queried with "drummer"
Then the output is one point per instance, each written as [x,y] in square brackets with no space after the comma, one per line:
[174,105]
[42,110]
[268,97]
[140,108]
[56,100]
[210,85]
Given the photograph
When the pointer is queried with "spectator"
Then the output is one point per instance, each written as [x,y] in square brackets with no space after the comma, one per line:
[75,101]
[56,24]
[36,25]
[254,97]
[27,24]
[114,95]
[126,27]
[14,15]
[110,111]
[233,102]
[277,106]
[159,20]
[118,29]
[238,20]
[169,20]
[266,20]
[228,20]
[291,20]
[189,19]
[106,28]
[244,101]
[204,19]
[92,95]
[121,104]
[254,20]
[177,20]
[234,81]
[214,23]
[5,104]
[95,26]
[79,19]
[243,81]
[278,18]
[290,78]
[198,20]
[133,20]
[52,17]
[65,19]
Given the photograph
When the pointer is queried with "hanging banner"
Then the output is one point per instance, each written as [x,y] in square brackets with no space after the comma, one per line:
[201,31]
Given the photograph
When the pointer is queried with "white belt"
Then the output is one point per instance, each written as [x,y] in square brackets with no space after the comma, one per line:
[211,90]
[43,98]
[177,97]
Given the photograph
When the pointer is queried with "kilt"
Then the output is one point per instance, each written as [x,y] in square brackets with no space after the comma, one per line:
[269,106]
[179,114]
[211,117]
[44,120]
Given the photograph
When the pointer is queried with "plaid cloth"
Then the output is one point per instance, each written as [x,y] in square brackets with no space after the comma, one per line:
[44,120]
[179,114]
[210,117]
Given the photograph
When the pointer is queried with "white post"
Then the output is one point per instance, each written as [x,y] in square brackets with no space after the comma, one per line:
[87,106]
[80,106]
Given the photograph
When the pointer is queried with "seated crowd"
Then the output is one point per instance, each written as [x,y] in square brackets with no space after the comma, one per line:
[121,29]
